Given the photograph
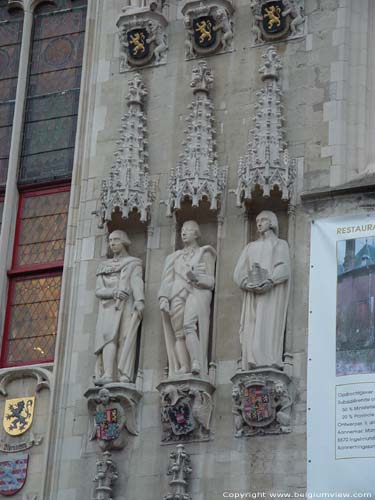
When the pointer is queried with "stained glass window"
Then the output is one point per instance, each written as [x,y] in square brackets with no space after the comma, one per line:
[42,229]
[53,91]
[1,212]
[33,314]
[10,47]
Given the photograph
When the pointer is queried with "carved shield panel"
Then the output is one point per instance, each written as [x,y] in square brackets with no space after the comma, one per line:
[274,24]
[139,48]
[107,424]
[204,34]
[257,404]
[18,415]
[13,473]
[181,418]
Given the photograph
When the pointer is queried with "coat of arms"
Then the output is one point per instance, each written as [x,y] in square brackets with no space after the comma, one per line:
[181,418]
[204,31]
[107,424]
[13,473]
[18,415]
[257,405]
[138,43]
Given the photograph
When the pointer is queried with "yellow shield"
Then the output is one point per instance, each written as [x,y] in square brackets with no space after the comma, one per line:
[18,415]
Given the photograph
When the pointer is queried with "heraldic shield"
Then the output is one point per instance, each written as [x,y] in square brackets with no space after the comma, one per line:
[18,415]
[139,47]
[274,22]
[204,32]
[107,424]
[257,403]
[181,418]
[13,473]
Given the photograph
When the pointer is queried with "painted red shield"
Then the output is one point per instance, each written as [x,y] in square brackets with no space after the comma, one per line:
[257,404]
[13,473]
[107,424]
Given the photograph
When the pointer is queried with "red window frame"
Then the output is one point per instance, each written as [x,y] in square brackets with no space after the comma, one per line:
[17,273]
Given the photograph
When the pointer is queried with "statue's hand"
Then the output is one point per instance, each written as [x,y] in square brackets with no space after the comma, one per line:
[264,287]
[164,304]
[120,294]
[139,306]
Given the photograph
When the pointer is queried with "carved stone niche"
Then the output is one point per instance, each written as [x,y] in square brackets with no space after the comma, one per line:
[186,409]
[208,27]
[275,20]
[143,38]
[113,412]
[262,401]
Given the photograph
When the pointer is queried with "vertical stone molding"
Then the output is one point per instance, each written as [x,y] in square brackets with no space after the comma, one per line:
[128,186]
[275,20]
[197,175]
[267,163]
[106,475]
[208,27]
[179,470]
[143,37]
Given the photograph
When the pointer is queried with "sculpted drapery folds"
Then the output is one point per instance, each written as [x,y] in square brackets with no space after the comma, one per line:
[185,299]
[120,289]
[263,273]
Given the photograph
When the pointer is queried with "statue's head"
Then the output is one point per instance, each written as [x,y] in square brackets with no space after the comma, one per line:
[104,396]
[190,231]
[117,241]
[263,217]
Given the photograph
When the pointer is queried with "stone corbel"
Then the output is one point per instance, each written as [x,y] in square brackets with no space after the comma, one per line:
[262,401]
[275,20]
[113,411]
[143,38]
[208,27]
[186,409]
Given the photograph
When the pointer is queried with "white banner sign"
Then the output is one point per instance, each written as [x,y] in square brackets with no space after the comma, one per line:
[341,358]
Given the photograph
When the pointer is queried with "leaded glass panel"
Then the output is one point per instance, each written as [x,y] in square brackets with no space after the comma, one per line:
[33,320]
[42,229]
[10,47]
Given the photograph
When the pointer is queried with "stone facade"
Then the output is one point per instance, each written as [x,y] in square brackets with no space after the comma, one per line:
[328,84]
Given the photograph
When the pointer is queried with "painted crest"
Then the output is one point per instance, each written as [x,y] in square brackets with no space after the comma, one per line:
[13,473]
[18,415]
[107,424]
[204,32]
[258,409]
[181,418]
[139,47]
[275,24]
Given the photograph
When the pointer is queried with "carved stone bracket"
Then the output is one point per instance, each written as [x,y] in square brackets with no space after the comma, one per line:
[186,409]
[129,187]
[262,401]
[277,20]
[143,38]
[197,175]
[208,27]
[267,163]
[106,474]
[113,412]
[42,376]
[179,470]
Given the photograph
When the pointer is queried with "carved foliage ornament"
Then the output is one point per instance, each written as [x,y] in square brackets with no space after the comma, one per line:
[267,163]
[179,470]
[262,402]
[106,474]
[143,39]
[277,19]
[208,27]
[186,409]
[197,175]
[128,186]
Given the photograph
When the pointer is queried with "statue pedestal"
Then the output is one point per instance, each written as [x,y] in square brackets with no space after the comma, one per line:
[113,411]
[262,401]
[186,409]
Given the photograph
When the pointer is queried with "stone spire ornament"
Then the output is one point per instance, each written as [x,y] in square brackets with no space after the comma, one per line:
[267,163]
[197,175]
[128,186]
[106,474]
[179,469]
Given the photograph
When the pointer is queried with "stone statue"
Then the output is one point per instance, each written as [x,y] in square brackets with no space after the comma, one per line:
[185,298]
[120,289]
[263,273]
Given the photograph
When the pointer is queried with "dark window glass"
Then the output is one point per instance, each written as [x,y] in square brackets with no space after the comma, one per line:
[53,92]
[1,212]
